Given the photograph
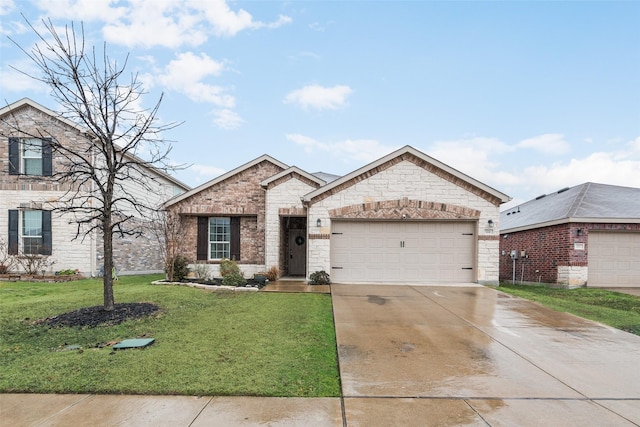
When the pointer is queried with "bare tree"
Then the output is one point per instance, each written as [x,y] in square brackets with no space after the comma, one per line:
[88,86]
[169,230]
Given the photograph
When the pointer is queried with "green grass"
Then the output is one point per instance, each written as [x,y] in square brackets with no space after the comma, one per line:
[262,344]
[615,309]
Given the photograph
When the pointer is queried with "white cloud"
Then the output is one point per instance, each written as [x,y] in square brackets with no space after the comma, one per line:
[361,150]
[549,143]
[6,6]
[320,97]
[19,82]
[205,172]
[476,157]
[174,23]
[82,10]
[227,119]
[186,73]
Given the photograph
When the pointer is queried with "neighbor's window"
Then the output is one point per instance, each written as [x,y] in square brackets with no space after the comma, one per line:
[219,237]
[31,156]
[32,232]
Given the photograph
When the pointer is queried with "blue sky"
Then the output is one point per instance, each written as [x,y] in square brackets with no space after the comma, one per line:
[527,97]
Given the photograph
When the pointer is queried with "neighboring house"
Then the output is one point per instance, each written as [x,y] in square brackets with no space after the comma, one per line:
[405,218]
[584,235]
[28,191]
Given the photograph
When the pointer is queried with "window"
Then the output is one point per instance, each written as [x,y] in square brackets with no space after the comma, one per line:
[30,156]
[219,237]
[30,232]
[31,150]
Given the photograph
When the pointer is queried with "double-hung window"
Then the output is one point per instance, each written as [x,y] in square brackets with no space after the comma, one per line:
[219,237]
[30,232]
[30,156]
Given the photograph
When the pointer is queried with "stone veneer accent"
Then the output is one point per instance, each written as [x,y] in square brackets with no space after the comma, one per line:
[404,209]
[382,193]
[418,162]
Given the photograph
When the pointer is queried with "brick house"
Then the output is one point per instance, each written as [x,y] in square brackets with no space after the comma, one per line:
[29,191]
[405,218]
[587,235]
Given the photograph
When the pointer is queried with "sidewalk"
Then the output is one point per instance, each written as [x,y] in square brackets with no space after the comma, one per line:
[18,410]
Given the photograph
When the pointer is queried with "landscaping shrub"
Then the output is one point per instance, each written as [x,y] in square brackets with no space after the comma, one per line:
[228,266]
[180,268]
[4,269]
[273,273]
[233,279]
[319,278]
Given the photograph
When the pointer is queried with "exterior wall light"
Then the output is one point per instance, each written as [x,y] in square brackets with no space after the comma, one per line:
[490,223]
[319,223]
[579,232]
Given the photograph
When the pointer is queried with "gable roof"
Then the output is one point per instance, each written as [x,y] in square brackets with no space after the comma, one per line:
[335,184]
[295,170]
[26,102]
[224,176]
[588,202]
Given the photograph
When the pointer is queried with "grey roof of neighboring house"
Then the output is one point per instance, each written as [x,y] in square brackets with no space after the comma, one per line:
[326,177]
[588,202]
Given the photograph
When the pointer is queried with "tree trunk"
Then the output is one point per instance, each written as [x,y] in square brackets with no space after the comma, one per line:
[107,278]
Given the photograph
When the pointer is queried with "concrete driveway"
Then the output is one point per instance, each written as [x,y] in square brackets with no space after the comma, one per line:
[470,355]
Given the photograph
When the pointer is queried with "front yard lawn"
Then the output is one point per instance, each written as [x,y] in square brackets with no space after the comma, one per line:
[615,309]
[241,343]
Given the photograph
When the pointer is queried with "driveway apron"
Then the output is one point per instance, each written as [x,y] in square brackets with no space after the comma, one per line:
[471,355]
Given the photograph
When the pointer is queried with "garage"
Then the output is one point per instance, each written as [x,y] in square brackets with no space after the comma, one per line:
[403,251]
[614,258]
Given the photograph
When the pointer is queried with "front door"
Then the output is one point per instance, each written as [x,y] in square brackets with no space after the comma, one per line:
[297,252]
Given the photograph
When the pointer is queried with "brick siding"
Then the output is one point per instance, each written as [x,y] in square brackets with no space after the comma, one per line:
[239,195]
[551,252]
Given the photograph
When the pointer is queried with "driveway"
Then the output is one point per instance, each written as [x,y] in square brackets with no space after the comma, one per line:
[470,355]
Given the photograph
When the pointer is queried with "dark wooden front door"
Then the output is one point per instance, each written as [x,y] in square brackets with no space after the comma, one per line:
[297,252]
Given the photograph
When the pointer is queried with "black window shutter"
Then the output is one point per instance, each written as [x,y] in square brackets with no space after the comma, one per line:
[13,232]
[14,156]
[235,238]
[47,157]
[202,252]
[46,234]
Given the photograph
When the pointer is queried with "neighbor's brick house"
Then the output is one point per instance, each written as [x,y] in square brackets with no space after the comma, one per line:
[29,192]
[585,235]
[405,218]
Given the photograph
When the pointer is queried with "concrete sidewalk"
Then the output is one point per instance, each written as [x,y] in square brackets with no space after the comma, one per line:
[172,411]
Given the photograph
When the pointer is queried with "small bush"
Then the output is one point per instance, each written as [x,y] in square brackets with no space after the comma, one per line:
[273,273]
[319,278]
[180,268]
[4,269]
[67,272]
[233,279]
[201,271]
[228,266]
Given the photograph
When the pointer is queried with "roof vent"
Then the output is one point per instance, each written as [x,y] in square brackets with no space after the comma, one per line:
[563,190]
[541,196]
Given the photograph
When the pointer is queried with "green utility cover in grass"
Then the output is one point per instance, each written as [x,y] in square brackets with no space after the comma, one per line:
[134,343]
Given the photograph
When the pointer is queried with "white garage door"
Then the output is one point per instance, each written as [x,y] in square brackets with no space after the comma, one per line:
[614,259]
[402,251]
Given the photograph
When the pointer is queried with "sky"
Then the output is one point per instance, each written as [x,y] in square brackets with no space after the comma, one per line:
[527,97]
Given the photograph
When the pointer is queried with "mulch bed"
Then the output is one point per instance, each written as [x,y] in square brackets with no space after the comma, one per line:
[90,317]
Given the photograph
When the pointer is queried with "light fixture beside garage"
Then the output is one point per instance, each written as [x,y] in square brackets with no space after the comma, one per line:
[490,223]
[319,223]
